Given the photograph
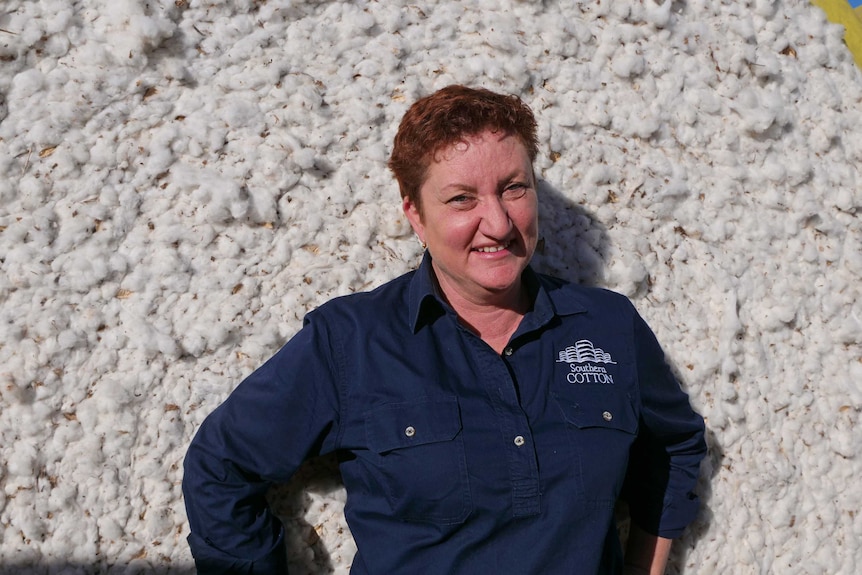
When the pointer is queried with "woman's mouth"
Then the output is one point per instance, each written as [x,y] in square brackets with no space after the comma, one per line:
[492,249]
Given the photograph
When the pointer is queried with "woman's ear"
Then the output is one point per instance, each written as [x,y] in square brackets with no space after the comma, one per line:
[411,210]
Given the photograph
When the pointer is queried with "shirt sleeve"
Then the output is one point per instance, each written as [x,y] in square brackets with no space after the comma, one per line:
[282,414]
[665,459]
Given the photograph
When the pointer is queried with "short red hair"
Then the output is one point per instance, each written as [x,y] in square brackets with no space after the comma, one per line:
[448,116]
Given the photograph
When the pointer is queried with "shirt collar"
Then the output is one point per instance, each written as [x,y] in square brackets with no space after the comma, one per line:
[424,303]
[550,297]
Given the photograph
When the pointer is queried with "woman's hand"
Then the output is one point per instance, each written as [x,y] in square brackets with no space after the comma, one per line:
[646,554]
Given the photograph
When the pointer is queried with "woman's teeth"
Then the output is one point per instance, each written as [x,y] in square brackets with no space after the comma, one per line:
[492,249]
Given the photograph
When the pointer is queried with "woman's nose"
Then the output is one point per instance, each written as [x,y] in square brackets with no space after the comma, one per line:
[495,219]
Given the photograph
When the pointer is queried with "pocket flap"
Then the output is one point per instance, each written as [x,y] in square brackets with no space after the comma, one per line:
[599,407]
[398,425]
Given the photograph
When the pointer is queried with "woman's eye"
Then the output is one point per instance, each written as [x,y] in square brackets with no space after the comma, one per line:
[460,200]
[515,190]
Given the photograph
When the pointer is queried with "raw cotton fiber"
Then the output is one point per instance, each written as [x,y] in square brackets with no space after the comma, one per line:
[182,180]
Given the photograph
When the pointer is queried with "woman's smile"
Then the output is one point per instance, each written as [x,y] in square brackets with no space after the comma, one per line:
[492,249]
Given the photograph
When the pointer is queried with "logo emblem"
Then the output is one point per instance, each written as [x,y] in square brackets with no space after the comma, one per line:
[584,352]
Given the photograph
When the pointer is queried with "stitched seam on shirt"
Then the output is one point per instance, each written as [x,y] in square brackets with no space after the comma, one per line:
[339,361]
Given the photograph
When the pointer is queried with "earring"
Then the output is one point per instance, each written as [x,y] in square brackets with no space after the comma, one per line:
[424,245]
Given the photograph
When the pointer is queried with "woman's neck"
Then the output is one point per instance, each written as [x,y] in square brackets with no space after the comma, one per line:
[494,319]
[494,326]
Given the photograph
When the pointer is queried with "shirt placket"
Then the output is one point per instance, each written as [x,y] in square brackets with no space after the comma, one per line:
[514,428]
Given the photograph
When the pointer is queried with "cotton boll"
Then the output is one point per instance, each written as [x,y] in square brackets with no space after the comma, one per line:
[22,462]
[62,496]
[30,526]
[767,9]
[81,537]
[626,274]
[640,123]
[153,29]
[262,207]
[80,271]
[852,254]
[222,202]
[159,523]
[109,529]
[628,65]
[362,20]
[744,28]
[658,14]
[239,112]
[25,85]
[304,158]
[844,442]
[32,192]
[59,19]
[814,56]
[774,170]
[599,175]
[144,32]
[69,339]
[757,110]
[103,152]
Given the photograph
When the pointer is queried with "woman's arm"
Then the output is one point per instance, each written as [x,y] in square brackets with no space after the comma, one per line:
[284,413]
[664,463]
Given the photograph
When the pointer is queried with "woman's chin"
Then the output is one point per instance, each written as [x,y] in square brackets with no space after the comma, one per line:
[500,281]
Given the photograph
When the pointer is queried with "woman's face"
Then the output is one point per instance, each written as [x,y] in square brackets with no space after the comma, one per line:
[479,217]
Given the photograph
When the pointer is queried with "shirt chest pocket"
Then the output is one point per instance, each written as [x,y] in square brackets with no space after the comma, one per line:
[601,426]
[597,408]
[419,459]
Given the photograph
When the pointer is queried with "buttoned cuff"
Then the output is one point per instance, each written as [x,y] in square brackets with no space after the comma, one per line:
[212,561]
[666,519]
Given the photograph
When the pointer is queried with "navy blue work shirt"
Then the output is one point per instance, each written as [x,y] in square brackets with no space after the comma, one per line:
[456,459]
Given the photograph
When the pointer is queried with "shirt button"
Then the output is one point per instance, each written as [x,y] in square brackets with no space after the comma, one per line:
[607,416]
[519,440]
[508,351]
[410,431]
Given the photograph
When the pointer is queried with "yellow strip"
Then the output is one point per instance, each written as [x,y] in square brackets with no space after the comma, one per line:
[840,12]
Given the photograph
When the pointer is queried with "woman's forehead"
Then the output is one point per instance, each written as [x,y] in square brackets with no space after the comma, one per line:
[463,144]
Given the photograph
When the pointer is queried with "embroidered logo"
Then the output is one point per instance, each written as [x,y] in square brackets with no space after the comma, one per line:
[584,352]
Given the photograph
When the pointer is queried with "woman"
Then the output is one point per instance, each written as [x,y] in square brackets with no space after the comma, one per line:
[487,418]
